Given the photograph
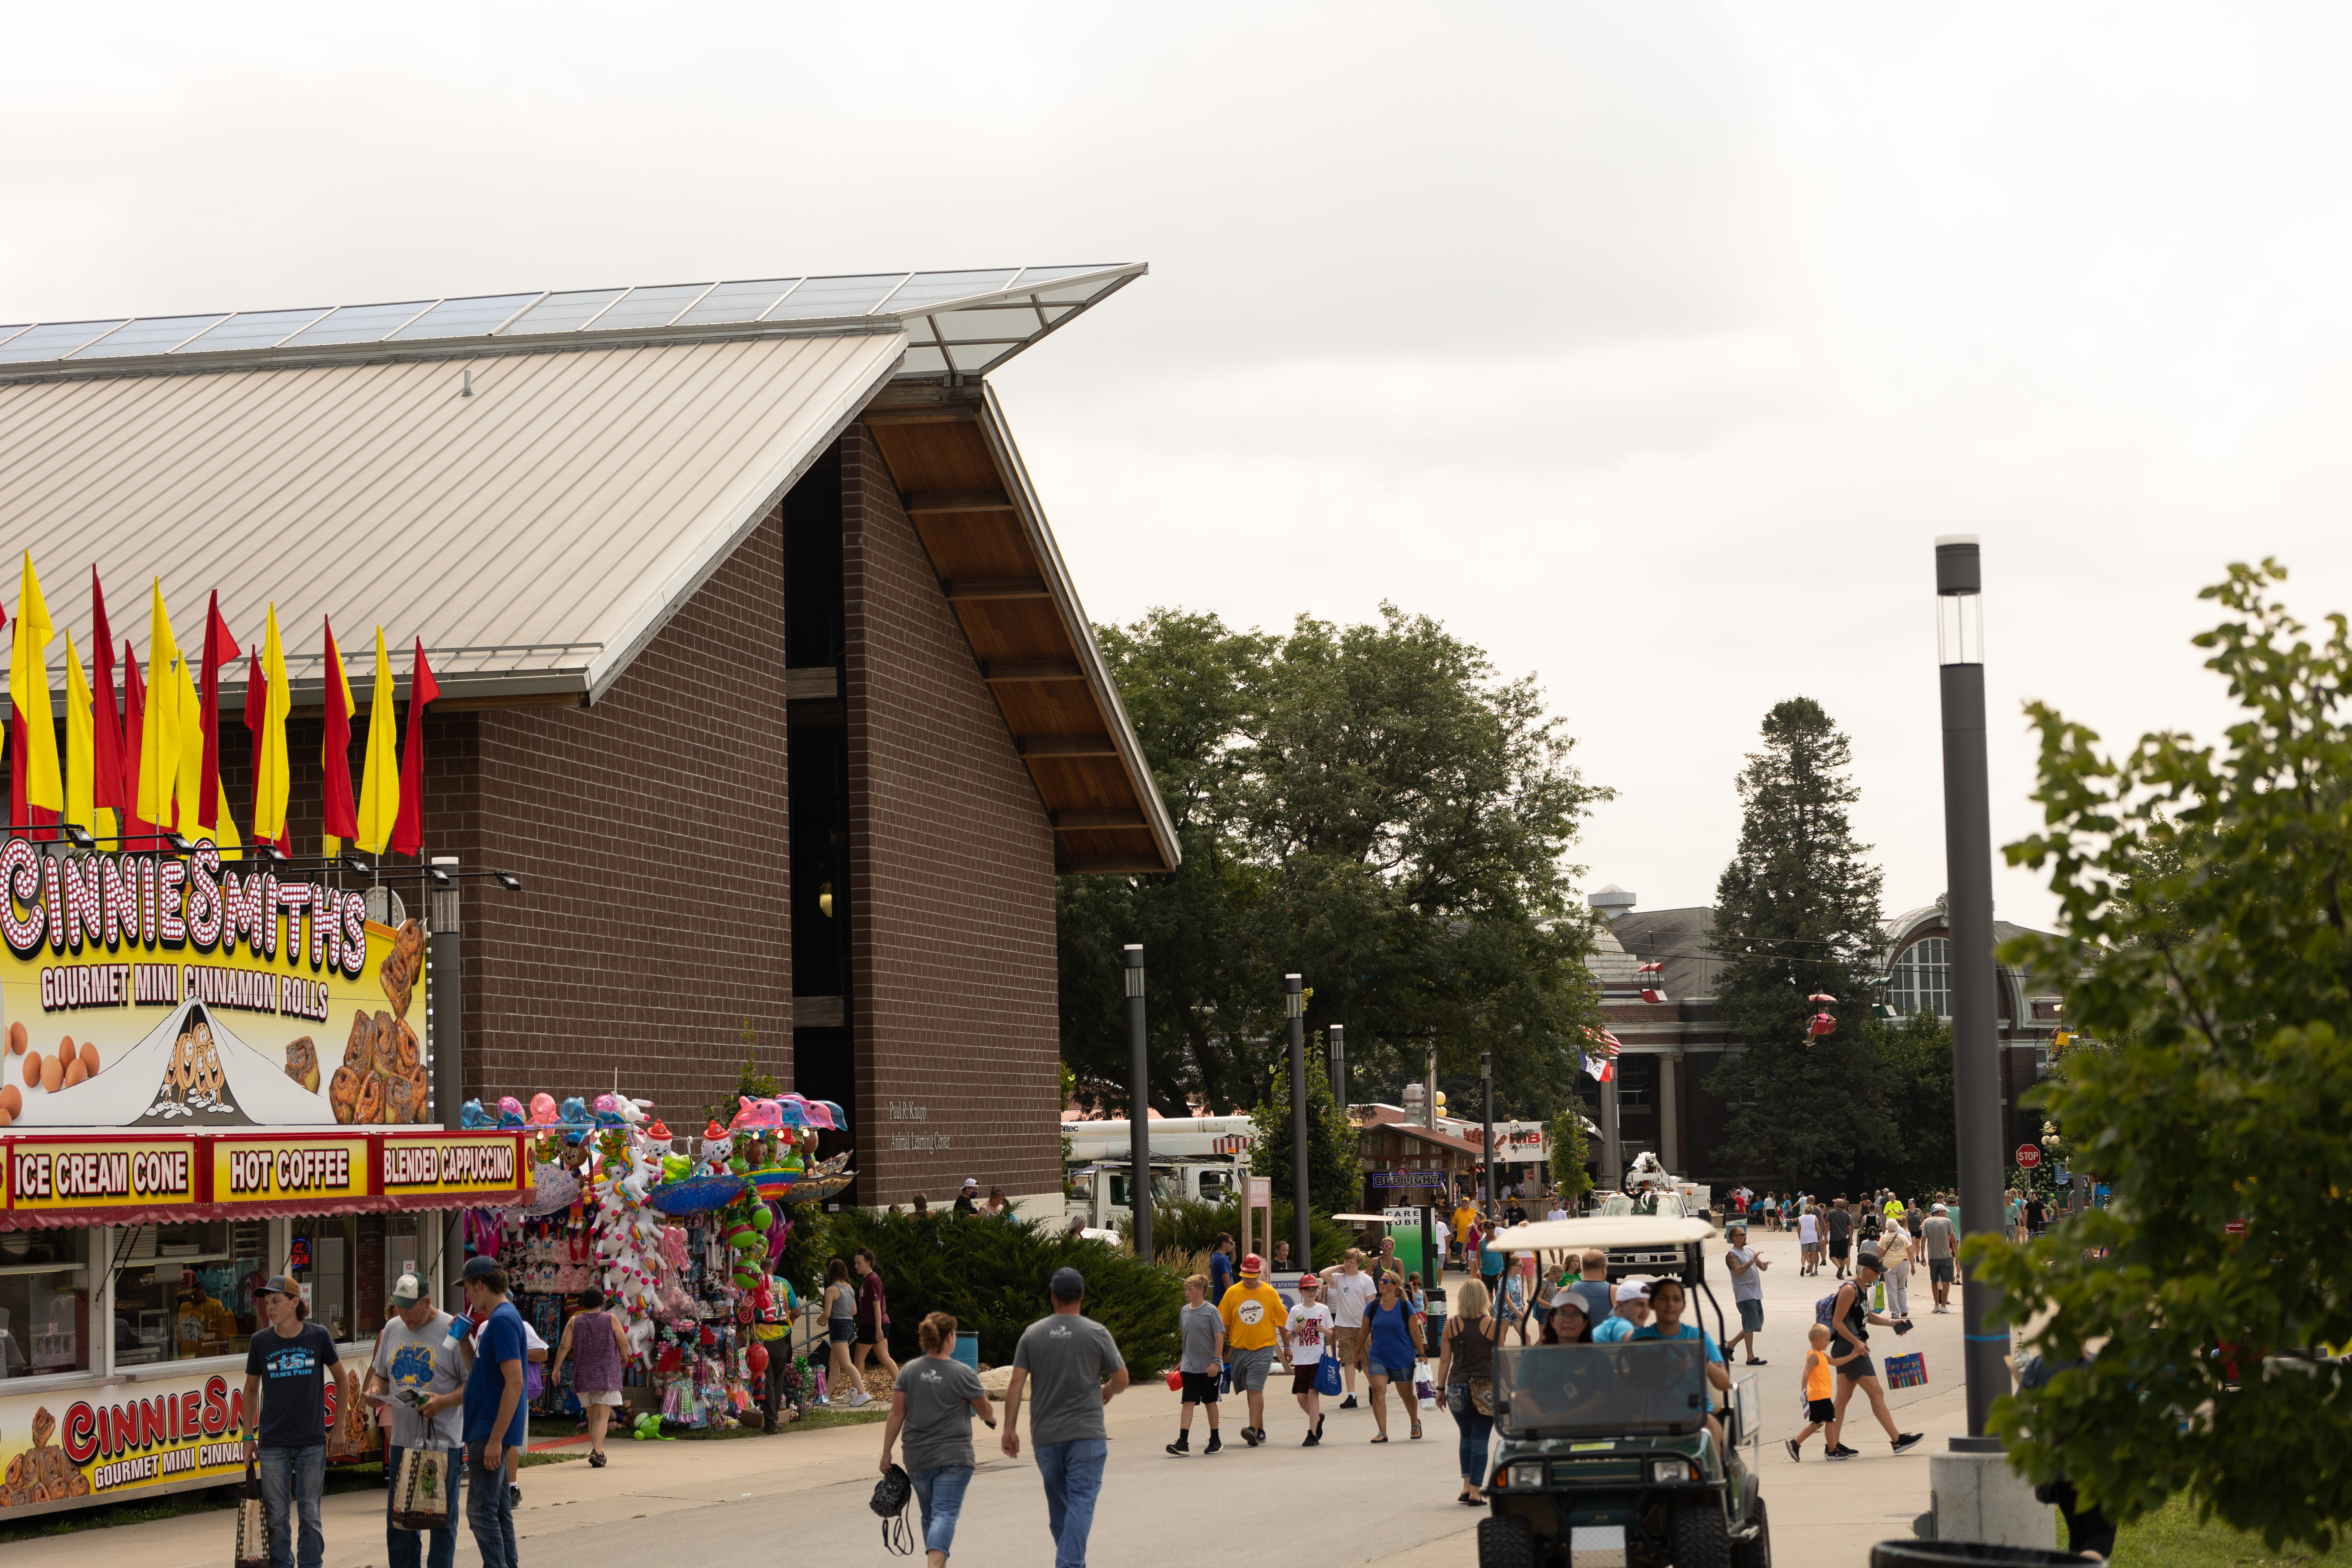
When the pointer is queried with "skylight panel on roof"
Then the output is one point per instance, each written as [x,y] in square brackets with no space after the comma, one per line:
[737,301]
[653,307]
[251,330]
[359,324]
[148,335]
[566,312]
[1029,275]
[826,296]
[53,340]
[936,288]
[1010,324]
[472,318]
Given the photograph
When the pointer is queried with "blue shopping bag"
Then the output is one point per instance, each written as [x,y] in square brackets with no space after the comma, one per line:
[1326,1375]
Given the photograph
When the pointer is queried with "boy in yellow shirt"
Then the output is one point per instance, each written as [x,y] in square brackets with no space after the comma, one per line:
[1821,1387]
[1254,1318]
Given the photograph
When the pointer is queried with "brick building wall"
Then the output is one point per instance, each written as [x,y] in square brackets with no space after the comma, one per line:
[952,942]
[652,943]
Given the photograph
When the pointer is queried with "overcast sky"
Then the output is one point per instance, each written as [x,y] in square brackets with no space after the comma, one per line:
[1647,346]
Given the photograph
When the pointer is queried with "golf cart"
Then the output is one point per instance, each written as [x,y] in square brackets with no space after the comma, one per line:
[1598,1435]
[1652,1260]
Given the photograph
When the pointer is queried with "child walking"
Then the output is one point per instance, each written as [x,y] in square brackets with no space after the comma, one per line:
[1821,1387]
[1203,1328]
[1306,1339]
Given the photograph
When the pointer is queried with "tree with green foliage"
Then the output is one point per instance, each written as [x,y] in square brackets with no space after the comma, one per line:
[1570,1148]
[1915,1068]
[2206,914]
[1335,1171]
[1369,806]
[1796,913]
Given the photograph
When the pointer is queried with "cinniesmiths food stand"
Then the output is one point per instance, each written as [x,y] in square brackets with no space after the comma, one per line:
[211,1137]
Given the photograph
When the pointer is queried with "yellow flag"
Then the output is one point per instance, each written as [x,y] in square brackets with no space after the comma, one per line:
[271,780]
[81,749]
[225,831]
[333,846]
[28,686]
[159,734]
[380,789]
[188,787]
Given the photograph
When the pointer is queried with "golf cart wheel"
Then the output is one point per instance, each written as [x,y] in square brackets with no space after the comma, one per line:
[1702,1540]
[1505,1541]
[1756,1551]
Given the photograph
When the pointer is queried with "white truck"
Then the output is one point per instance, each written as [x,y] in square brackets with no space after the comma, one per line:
[1197,1157]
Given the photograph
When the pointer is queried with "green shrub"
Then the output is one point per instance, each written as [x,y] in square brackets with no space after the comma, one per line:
[992,1279]
[1191,1226]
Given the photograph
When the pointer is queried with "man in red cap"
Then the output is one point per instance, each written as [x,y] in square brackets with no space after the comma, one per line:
[1254,1316]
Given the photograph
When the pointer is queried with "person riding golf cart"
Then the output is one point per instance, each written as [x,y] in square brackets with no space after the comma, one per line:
[1592,1435]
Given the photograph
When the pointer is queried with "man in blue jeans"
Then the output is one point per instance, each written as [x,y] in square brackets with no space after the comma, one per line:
[414,1360]
[286,1411]
[1076,1368]
[494,1410]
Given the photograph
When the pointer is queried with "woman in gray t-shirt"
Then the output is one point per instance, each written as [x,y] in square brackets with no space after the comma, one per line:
[933,1403]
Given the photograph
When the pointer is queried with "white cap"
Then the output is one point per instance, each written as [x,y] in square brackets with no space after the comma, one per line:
[1938,1209]
[1632,1291]
[972,1181]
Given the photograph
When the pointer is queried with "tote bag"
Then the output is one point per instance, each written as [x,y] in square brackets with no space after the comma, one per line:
[420,1490]
[1326,1375]
[252,1525]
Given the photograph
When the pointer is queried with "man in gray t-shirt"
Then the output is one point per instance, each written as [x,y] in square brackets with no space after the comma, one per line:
[1076,1367]
[1935,1235]
[413,1356]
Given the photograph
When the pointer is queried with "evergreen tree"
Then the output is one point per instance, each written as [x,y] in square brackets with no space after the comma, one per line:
[1335,1173]
[1797,913]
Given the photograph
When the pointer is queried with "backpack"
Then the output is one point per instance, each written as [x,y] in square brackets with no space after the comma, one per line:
[1824,1307]
[891,1495]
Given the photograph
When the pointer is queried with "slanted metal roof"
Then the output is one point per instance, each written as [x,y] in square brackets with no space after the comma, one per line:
[960,323]
[535,533]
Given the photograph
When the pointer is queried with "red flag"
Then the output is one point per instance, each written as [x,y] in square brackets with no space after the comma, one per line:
[106,724]
[341,814]
[137,833]
[408,827]
[219,649]
[256,715]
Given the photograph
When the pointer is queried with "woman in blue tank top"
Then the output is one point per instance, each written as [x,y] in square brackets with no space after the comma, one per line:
[1396,1329]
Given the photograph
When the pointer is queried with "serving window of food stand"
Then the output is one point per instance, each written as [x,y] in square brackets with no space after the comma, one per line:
[45,1294]
[185,1290]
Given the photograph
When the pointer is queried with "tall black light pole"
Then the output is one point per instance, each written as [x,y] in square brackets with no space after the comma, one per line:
[1138,1115]
[446,995]
[1976,1061]
[1293,1003]
[1486,1084]
[1338,1054]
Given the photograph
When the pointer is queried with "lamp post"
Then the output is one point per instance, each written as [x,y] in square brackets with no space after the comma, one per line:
[1486,1140]
[1294,1005]
[1338,1053]
[1138,1115]
[1976,1063]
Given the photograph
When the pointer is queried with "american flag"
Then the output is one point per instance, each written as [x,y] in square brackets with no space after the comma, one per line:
[1600,1060]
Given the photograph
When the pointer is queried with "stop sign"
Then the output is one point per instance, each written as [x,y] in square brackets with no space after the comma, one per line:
[2028,1155]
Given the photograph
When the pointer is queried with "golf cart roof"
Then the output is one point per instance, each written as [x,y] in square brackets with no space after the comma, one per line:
[1618,1230]
[1361,1218]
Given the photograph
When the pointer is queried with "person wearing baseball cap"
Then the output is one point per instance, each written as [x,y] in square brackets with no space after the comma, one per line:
[286,1370]
[1255,1315]
[415,1363]
[968,1200]
[1306,1339]
[1075,1367]
[1632,1312]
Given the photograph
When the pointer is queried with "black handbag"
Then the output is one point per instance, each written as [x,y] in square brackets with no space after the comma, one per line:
[892,1493]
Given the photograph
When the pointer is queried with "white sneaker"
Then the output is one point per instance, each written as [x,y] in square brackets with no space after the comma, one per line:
[863,1398]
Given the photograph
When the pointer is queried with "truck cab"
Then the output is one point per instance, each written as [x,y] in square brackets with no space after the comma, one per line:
[1103,1191]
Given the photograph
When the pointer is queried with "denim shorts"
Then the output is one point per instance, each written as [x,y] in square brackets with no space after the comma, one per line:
[1393,1373]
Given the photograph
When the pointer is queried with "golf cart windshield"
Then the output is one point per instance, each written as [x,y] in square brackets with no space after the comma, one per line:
[1631,1387]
